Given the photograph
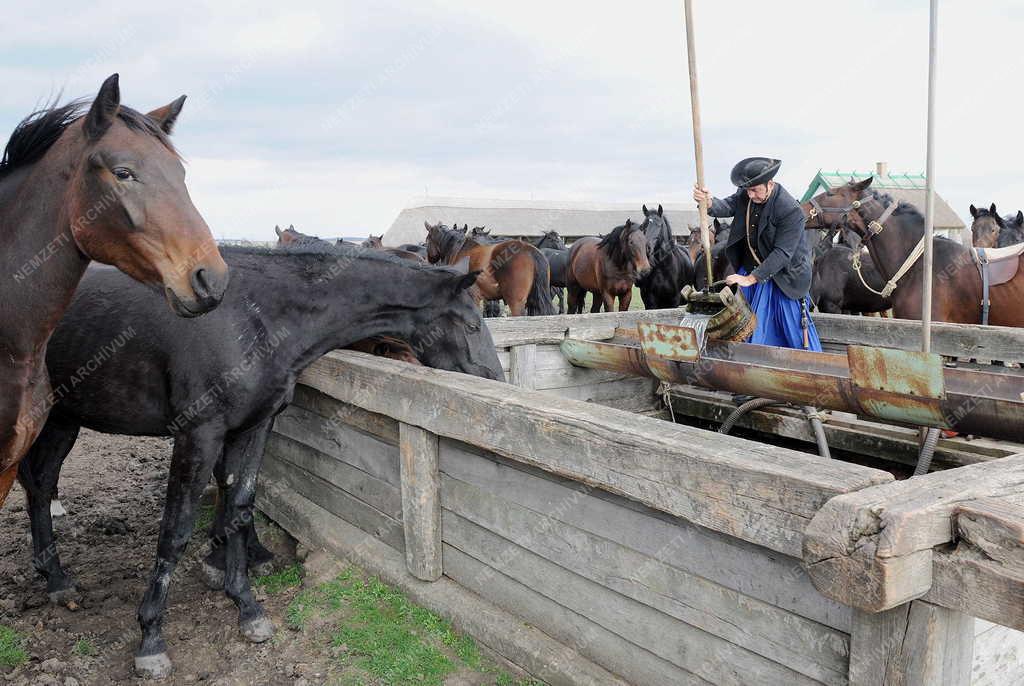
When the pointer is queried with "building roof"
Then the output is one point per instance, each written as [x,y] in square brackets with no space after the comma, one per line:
[528,217]
[906,187]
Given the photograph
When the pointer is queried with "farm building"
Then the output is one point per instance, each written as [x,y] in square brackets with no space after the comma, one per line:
[907,187]
[529,217]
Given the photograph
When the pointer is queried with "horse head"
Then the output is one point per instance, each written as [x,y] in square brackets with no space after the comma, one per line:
[374,242]
[658,233]
[986,226]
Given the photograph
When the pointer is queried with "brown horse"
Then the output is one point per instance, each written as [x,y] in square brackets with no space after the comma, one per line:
[891,231]
[511,270]
[293,237]
[377,243]
[989,230]
[607,267]
[105,185]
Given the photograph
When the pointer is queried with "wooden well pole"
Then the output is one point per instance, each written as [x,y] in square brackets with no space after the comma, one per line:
[698,145]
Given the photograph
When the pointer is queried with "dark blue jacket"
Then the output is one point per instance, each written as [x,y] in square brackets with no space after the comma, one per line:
[781,239]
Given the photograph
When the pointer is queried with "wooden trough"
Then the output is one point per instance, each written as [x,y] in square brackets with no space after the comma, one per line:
[592,543]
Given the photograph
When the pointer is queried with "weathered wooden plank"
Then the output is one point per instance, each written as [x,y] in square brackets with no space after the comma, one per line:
[334,411]
[628,395]
[342,442]
[917,644]
[684,646]
[506,635]
[368,488]
[553,379]
[743,567]
[998,657]
[984,573]
[421,502]
[759,493]
[873,549]
[509,331]
[883,441]
[522,365]
[609,650]
[802,645]
[335,500]
[954,340]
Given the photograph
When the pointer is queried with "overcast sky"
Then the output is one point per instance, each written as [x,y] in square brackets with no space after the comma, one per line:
[332,115]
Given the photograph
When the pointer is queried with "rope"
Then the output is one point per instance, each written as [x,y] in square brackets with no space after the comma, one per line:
[891,284]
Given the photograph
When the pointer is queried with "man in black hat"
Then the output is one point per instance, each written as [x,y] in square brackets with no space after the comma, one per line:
[769,250]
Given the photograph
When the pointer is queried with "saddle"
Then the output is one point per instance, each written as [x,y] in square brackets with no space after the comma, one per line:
[997,266]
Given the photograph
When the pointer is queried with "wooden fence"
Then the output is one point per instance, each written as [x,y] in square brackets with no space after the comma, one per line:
[589,544]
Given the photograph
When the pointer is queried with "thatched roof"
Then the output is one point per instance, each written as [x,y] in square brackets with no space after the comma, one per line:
[907,187]
[528,217]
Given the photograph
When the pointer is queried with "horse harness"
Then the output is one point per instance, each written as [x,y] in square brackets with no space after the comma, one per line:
[875,227]
[997,266]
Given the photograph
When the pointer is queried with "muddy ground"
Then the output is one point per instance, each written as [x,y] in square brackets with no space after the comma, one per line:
[113,487]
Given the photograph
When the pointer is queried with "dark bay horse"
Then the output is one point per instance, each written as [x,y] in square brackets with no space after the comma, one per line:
[216,383]
[720,265]
[836,288]
[553,248]
[989,230]
[607,267]
[377,243]
[890,231]
[671,266]
[77,184]
[512,270]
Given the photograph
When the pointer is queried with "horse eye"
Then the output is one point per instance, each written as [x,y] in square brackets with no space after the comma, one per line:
[473,326]
[123,173]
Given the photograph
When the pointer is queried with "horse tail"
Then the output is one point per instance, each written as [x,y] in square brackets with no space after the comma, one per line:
[538,302]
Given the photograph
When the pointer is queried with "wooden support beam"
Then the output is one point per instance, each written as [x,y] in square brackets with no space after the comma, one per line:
[916,644]
[599,326]
[421,502]
[873,549]
[523,365]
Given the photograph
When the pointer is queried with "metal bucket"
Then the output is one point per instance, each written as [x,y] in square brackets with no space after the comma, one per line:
[730,317]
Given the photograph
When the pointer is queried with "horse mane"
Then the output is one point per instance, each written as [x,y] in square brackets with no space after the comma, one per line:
[903,208]
[327,254]
[614,244]
[451,242]
[36,133]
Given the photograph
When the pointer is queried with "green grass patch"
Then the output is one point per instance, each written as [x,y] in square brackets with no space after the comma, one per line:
[288,577]
[84,647]
[12,648]
[389,639]
[204,518]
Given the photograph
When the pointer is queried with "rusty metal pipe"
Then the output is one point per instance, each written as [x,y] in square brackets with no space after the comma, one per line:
[899,386]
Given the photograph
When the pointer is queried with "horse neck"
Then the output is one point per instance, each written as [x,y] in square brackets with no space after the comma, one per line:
[890,248]
[37,250]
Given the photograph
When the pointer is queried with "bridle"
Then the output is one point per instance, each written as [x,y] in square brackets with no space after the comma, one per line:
[874,227]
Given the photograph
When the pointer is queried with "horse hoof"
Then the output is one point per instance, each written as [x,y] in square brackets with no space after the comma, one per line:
[65,596]
[263,568]
[258,629]
[153,666]
[212,577]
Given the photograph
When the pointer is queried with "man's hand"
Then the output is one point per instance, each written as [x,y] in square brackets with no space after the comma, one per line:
[701,195]
[742,280]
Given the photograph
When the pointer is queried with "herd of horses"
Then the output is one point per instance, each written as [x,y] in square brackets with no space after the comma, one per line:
[170,334]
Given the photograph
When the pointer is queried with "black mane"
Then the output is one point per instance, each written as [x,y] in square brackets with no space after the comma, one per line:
[37,132]
[326,254]
[614,244]
[903,208]
[451,242]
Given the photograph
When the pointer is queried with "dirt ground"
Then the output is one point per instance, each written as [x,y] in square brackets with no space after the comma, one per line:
[113,487]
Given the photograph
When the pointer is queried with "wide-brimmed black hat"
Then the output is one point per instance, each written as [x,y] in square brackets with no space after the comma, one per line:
[754,171]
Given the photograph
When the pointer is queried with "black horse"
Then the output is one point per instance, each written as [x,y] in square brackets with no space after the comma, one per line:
[553,247]
[671,266]
[836,288]
[720,265]
[216,384]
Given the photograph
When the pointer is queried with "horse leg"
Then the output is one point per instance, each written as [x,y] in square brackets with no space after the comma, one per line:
[576,296]
[597,299]
[192,461]
[624,300]
[243,455]
[38,474]
[560,294]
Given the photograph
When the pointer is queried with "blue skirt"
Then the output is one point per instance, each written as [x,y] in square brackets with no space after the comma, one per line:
[778,317]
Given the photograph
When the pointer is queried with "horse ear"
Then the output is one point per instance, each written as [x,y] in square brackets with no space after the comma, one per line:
[992,209]
[277,230]
[974,211]
[629,222]
[661,211]
[291,227]
[104,108]
[1020,217]
[645,210]
[862,185]
[166,116]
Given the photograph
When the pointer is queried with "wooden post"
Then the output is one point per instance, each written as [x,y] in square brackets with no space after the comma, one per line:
[522,363]
[421,501]
[916,644]
[698,144]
